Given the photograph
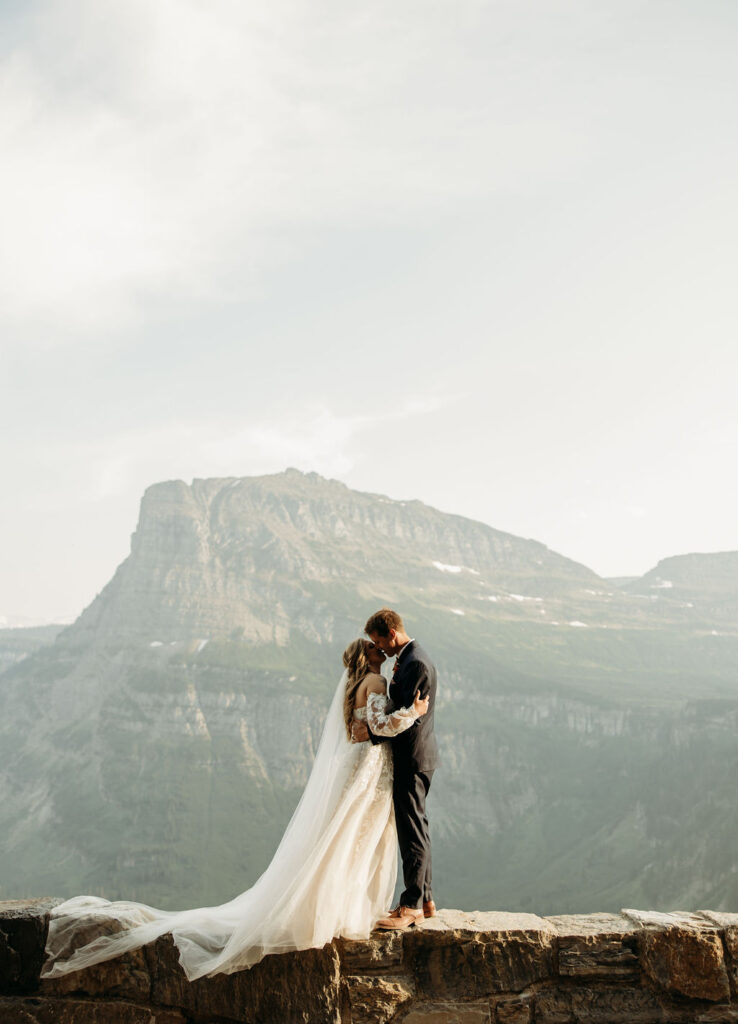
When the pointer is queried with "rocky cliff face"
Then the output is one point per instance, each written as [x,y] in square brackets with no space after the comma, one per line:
[157,748]
[255,555]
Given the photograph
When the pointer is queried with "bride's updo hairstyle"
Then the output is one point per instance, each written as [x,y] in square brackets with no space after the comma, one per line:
[357,666]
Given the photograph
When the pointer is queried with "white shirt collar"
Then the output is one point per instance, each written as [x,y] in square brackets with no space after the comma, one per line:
[411,640]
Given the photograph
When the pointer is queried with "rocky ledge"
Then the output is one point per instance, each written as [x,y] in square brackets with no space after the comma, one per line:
[458,968]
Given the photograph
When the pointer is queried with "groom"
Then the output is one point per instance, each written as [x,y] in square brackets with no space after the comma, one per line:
[414,753]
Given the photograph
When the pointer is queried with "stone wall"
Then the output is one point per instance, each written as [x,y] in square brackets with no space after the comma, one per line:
[459,968]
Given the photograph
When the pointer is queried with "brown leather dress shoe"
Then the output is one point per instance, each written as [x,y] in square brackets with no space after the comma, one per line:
[429,908]
[406,916]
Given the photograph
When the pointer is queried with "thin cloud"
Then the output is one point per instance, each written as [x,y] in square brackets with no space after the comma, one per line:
[310,438]
[319,440]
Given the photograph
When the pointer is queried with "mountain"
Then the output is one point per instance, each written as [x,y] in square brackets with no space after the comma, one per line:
[266,555]
[157,748]
[17,642]
[707,583]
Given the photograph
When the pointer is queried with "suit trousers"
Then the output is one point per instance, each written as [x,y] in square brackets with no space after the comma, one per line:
[409,792]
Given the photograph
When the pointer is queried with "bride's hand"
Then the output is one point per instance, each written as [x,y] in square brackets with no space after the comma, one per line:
[359,732]
[420,704]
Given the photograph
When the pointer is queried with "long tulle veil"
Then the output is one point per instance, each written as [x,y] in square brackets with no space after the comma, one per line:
[295,904]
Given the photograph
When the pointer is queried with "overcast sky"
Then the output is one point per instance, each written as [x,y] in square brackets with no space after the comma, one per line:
[480,254]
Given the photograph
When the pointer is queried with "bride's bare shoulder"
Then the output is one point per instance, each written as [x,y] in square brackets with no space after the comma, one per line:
[372,683]
[375,683]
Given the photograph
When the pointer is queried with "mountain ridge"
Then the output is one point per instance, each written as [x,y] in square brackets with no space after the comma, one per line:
[157,747]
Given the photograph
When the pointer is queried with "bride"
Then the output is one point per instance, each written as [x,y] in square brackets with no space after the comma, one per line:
[333,873]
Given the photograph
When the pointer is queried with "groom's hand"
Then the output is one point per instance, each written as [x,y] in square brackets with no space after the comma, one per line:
[359,732]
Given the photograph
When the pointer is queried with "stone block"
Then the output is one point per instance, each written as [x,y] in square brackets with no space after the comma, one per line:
[578,925]
[715,1015]
[596,946]
[593,957]
[449,1013]
[616,1005]
[477,921]
[513,1011]
[381,951]
[23,928]
[376,1000]
[471,956]
[289,988]
[40,1010]
[730,942]
[685,961]
[125,977]
[553,1006]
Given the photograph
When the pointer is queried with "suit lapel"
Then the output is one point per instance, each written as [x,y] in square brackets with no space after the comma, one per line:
[395,687]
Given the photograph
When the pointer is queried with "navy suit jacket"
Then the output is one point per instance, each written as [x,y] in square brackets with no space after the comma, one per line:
[416,749]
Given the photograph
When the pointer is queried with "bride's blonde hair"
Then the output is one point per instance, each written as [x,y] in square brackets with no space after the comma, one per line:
[355,661]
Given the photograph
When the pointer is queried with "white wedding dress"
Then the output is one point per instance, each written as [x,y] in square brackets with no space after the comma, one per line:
[333,873]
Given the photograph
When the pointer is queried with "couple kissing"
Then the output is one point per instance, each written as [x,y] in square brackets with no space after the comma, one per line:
[334,871]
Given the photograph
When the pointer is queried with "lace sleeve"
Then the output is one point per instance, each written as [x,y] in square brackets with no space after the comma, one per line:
[382,724]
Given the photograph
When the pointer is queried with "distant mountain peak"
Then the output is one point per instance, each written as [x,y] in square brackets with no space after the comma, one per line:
[257,554]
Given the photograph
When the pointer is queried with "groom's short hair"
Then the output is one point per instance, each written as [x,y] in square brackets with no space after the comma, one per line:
[383,621]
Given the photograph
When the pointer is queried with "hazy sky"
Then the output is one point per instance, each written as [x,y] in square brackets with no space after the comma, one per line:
[480,254]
